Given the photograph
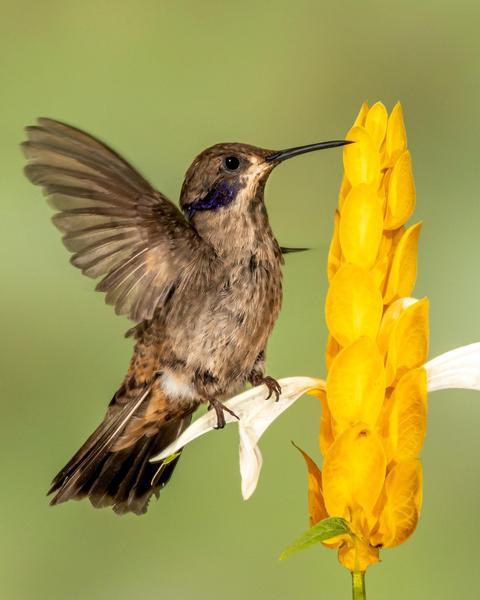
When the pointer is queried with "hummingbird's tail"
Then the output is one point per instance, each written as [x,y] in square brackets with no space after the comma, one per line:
[112,467]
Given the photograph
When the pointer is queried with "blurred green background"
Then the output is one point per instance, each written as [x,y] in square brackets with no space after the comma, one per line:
[160,81]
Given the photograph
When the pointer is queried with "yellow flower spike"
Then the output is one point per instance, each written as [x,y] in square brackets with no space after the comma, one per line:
[403,490]
[374,407]
[361,225]
[361,160]
[408,418]
[356,385]
[401,193]
[316,503]
[403,272]
[408,343]
[334,251]
[376,385]
[353,471]
[376,123]
[362,115]
[396,138]
[353,306]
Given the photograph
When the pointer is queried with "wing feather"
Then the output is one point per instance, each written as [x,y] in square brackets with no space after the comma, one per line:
[112,220]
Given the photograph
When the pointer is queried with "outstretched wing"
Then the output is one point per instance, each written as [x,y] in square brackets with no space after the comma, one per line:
[114,222]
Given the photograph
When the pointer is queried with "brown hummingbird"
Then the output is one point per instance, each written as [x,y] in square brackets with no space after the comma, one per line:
[203,286]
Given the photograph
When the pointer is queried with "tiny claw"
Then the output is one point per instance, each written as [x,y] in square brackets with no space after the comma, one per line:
[219,410]
[230,411]
[273,387]
[220,422]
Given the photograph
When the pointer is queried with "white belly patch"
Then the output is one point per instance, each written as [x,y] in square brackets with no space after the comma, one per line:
[176,386]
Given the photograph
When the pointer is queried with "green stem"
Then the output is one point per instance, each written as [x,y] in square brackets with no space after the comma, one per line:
[358,585]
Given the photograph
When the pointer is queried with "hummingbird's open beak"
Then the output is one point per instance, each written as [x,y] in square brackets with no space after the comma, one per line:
[284,154]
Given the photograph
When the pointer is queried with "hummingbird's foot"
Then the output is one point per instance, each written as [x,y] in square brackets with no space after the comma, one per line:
[272,385]
[220,408]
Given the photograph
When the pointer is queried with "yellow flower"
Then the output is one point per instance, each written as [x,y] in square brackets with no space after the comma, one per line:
[374,411]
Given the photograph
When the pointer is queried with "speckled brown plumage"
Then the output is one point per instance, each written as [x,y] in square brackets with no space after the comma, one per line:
[204,289]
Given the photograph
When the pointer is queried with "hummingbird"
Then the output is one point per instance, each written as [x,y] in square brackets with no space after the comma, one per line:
[202,285]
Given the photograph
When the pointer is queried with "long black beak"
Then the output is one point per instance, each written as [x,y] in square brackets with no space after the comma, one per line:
[284,154]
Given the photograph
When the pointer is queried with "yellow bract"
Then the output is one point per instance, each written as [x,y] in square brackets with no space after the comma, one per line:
[326,437]
[354,304]
[333,348]
[389,318]
[316,504]
[353,472]
[382,268]
[376,123]
[362,115]
[403,499]
[401,193]
[408,341]
[408,417]
[361,159]
[344,189]
[396,138]
[361,225]
[403,271]
[356,384]
[335,252]
[374,410]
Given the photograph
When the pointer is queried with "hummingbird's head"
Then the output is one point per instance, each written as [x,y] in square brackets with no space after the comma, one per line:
[224,177]
[225,183]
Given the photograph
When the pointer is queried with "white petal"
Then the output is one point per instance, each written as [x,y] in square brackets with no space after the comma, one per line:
[459,368]
[255,422]
[250,464]
[267,411]
[256,414]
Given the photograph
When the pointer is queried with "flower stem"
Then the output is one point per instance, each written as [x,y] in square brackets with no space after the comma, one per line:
[358,585]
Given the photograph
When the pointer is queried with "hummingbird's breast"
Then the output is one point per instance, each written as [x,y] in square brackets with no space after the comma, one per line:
[237,320]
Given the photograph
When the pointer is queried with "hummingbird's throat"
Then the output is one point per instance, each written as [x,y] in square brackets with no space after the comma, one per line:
[219,196]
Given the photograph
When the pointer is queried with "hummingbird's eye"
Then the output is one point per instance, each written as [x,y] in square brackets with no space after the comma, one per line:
[231,163]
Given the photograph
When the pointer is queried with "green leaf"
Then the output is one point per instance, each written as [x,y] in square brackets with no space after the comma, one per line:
[322,531]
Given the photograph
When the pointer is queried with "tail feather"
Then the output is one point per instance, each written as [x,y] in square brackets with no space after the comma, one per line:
[97,443]
[117,475]
[121,478]
[76,459]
